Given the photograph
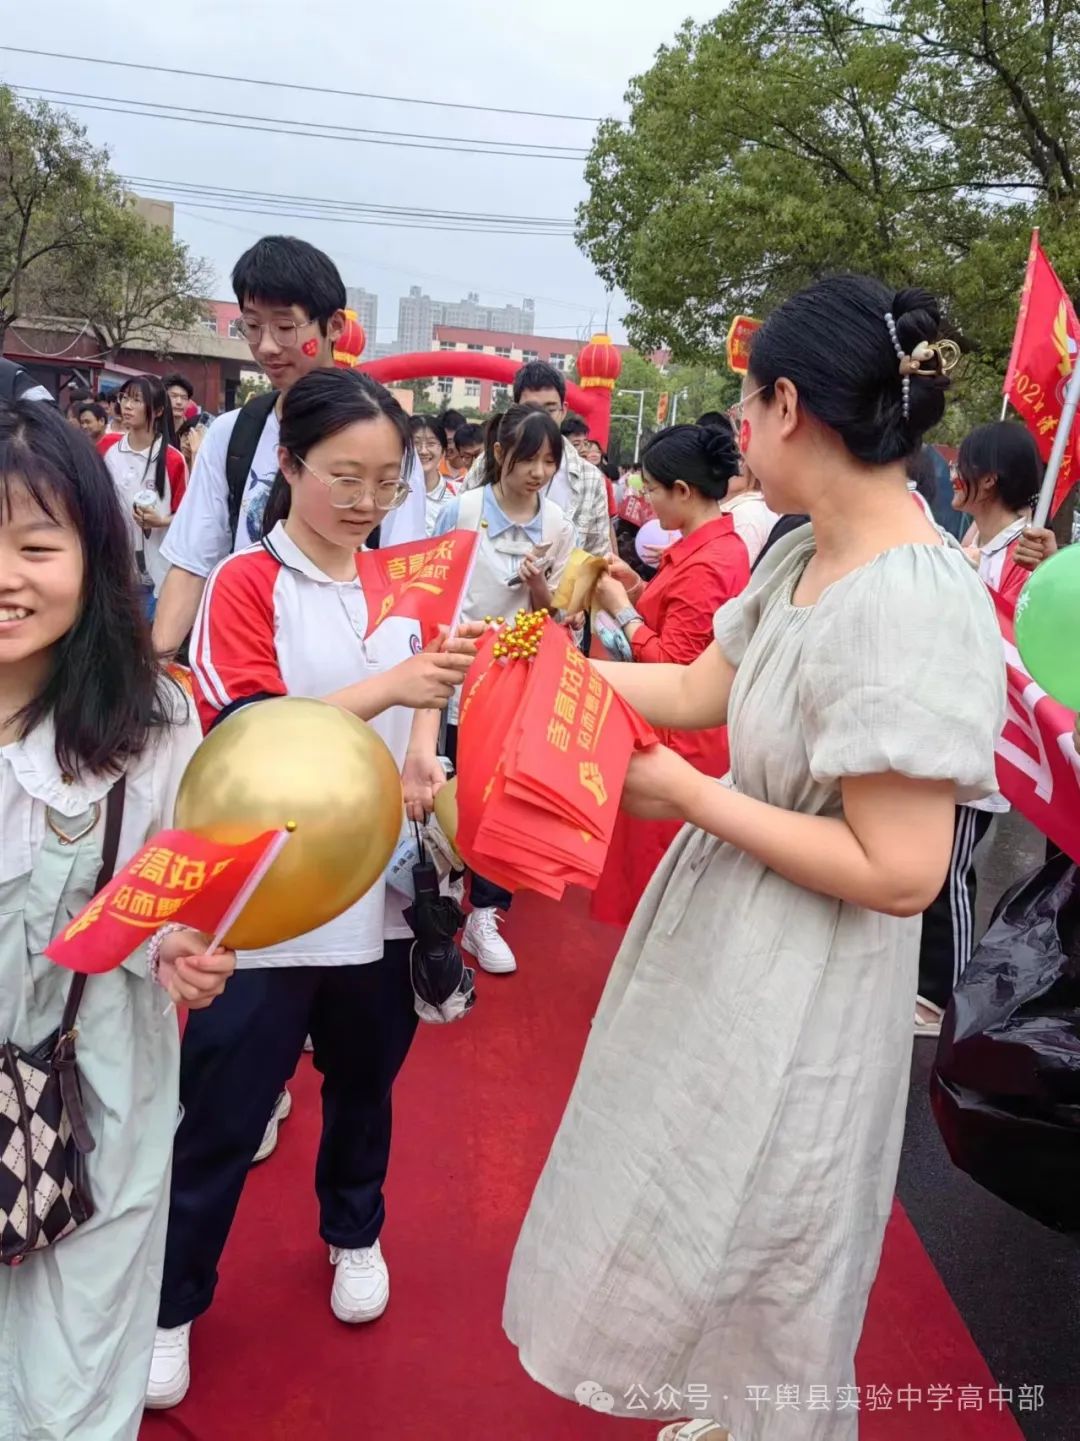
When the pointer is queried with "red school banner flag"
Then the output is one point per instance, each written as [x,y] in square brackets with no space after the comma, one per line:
[176,876]
[1038,768]
[424,580]
[1043,354]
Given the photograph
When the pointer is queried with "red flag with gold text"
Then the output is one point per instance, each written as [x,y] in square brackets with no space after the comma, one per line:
[1043,355]
[422,580]
[175,877]
[544,743]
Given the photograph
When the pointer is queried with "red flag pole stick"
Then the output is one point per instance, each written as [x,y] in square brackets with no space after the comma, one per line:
[229,919]
[1061,440]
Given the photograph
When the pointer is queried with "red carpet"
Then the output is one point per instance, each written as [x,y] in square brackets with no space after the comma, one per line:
[477,1106]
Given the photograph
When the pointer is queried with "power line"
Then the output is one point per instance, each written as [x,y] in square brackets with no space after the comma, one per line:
[314,129]
[376,224]
[331,208]
[292,85]
[379,263]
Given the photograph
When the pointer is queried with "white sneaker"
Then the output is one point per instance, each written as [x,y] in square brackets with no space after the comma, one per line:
[170,1370]
[361,1284]
[481,939]
[268,1144]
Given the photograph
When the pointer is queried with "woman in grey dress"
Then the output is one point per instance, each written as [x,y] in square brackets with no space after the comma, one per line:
[707,1227]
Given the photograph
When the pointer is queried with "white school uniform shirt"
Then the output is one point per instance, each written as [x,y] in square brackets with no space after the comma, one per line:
[434,500]
[133,471]
[752,518]
[199,537]
[493,588]
[272,624]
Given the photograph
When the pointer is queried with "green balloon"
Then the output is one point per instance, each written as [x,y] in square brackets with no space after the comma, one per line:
[1048,626]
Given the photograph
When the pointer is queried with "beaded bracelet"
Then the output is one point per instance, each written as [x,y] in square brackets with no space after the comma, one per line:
[153,949]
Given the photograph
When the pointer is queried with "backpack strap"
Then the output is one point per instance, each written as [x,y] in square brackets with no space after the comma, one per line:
[470,504]
[552,517]
[243,443]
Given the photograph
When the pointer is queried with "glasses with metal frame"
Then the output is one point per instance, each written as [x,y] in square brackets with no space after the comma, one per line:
[283,332]
[347,491]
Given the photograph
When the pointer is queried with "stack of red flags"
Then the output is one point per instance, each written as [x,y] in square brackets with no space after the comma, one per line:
[543,748]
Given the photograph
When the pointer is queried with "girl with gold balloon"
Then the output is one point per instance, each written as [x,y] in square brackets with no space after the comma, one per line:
[314,729]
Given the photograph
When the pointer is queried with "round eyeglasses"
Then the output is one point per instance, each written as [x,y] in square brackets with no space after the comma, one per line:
[347,491]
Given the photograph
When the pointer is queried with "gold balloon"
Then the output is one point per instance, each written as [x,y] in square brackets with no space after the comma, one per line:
[446,814]
[309,767]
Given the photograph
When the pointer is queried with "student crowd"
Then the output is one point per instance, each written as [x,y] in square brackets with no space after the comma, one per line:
[843,679]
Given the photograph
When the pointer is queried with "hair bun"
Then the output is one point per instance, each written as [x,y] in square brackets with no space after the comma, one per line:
[918,317]
[721,452]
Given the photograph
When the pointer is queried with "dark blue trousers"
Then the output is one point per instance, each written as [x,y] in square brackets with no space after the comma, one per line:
[236,1057]
[483,894]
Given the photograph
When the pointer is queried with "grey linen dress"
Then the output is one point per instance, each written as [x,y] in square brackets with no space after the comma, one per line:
[710,1218]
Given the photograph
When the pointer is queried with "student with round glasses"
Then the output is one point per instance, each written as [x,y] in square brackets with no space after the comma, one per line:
[289,617]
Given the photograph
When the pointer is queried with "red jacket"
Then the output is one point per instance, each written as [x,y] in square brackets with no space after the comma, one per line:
[695,578]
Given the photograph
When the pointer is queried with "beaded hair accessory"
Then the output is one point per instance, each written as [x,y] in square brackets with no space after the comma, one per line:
[929,358]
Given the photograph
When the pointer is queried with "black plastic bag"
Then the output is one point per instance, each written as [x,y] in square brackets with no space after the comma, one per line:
[1006,1082]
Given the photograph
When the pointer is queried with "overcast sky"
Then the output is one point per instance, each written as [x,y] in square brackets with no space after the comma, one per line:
[559,56]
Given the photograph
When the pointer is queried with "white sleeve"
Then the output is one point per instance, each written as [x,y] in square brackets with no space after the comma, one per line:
[199,536]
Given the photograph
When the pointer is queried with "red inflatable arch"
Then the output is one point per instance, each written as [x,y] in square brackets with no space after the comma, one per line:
[599,364]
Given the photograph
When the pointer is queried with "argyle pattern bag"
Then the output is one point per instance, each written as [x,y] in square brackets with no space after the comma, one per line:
[44,1136]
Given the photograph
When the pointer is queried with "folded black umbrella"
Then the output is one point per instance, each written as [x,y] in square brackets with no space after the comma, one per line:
[442,983]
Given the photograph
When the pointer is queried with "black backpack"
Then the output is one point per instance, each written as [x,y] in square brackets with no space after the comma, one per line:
[243,443]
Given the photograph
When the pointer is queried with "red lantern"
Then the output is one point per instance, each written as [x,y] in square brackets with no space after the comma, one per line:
[599,364]
[349,346]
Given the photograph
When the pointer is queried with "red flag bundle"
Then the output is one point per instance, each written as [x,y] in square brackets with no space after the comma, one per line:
[544,744]
[423,580]
[1043,355]
[175,877]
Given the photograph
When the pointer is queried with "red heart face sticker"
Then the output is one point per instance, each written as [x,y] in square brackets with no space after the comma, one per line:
[310,348]
[744,436]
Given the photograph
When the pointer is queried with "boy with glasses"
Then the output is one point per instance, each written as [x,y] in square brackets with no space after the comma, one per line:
[292,302]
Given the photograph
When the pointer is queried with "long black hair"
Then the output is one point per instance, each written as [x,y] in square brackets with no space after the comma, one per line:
[1007,452]
[832,342]
[522,431]
[318,406]
[153,395]
[105,693]
[705,457]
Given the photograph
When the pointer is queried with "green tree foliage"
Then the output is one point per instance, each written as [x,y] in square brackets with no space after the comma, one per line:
[919,140]
[71,243]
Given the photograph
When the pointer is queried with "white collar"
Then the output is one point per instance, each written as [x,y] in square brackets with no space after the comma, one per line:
[1007,536]
[125,445]
[33,759]
[284,549]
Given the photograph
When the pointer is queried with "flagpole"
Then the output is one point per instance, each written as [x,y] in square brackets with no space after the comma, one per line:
[1004,407]
[247,890]
[1057,455]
